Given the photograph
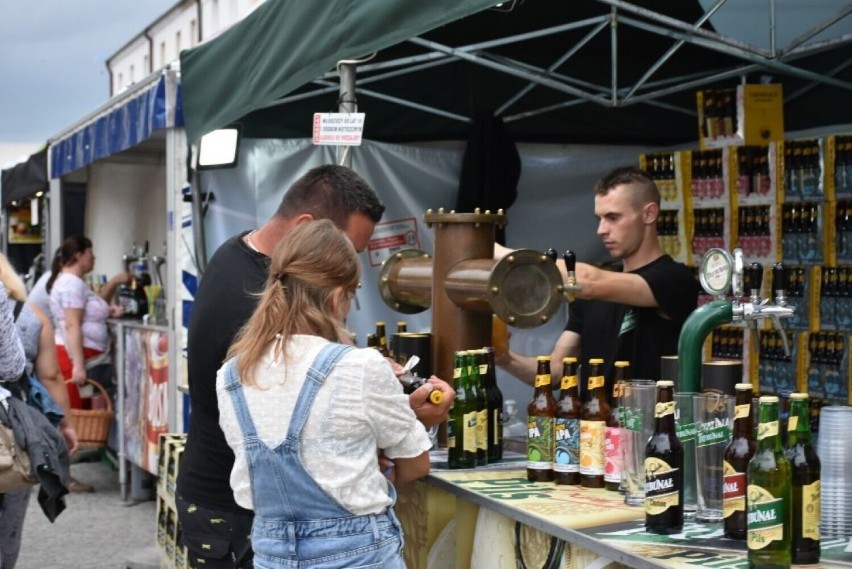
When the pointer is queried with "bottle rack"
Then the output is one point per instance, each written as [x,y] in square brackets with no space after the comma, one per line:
[172,553]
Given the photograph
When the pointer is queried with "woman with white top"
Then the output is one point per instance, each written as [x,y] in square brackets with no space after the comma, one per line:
[307,416]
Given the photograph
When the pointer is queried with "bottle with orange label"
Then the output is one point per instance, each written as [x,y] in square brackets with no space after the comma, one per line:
[612,433]
[593,427]
[566,433]
[664,467]
[540,419]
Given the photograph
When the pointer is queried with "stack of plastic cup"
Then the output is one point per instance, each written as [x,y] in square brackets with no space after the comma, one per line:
[835,454]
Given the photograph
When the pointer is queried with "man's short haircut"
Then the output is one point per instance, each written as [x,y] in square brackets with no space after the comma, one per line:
[643,188]
[331,192]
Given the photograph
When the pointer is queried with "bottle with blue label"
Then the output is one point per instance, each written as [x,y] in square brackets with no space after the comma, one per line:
[566,429]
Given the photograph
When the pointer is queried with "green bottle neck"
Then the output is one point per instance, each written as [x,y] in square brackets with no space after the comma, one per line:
[801,425]
[769,428]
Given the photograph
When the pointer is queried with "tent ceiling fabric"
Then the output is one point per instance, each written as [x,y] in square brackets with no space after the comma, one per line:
[465,66]
[25,179]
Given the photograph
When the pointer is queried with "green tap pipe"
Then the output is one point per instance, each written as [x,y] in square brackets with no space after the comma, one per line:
[700,323]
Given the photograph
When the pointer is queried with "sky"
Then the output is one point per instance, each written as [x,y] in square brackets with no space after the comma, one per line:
[53,59]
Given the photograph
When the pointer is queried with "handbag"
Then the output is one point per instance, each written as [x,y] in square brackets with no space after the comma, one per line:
[15,466]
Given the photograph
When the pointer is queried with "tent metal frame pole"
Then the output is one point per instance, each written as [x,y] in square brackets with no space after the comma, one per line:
[405,103]
[671,51]
[804,89]
[542,80]
[347,104]
[613,57]
[553,67]
[689,85]
[763,61]
[816,30]
[772,51]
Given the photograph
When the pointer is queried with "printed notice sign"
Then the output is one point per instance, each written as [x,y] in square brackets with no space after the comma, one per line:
[390,237]
[338,129]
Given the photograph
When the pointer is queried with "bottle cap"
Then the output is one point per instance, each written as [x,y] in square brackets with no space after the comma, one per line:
[380,323]
[542,358]
[569,360]
[622,363]
[769,399]
[665,383]
[743,387]
[402,323]
[594,361]
[799,396]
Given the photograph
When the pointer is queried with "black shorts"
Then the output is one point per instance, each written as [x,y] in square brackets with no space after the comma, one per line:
[218,539]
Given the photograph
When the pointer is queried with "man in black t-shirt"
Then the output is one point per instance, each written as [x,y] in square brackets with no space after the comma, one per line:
[215,529]
[635,314]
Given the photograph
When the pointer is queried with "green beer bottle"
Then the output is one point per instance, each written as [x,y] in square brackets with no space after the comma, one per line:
[769,497]
[461,424]
[804,463]
[477,374]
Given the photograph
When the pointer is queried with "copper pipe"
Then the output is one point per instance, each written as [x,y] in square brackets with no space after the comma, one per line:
[467,284]
[410,281]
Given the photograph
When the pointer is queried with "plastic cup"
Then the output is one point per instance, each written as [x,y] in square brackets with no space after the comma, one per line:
[714,417]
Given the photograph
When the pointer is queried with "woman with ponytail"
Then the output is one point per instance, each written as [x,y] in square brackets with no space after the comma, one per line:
[82,337]
[306,416]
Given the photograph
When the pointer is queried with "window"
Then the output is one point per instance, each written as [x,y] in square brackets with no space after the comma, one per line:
[193,33]
[146,64]
[132,74]
[162,54]
[177,42]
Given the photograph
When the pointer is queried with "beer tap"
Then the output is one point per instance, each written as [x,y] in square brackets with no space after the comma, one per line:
[571,285]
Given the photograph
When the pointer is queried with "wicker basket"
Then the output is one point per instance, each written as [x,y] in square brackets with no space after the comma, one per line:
[92,425]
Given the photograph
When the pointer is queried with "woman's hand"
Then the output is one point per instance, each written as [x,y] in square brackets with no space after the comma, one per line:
[70,436]
[78,374]
[387,467]
[427,412]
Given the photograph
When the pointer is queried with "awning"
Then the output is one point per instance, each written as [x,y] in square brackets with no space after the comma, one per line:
[123,122]
[284,44]
[25,179]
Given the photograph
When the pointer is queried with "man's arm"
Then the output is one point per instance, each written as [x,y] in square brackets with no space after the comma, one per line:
[623,288]
[524,367]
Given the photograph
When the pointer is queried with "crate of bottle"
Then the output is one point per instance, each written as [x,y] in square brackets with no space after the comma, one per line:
[755,232]
[671,231]
[754,175]
[835,302]
[710,175]
[838,152]
[843,231]
[801,164]
[670,172]
[776,369]
[745,115]
[165,446]
[827,366]
[709,227]
[807,232]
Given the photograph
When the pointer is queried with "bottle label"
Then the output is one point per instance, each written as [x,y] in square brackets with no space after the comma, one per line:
[661,492]
[496,426]
[663,409]
[742,411]
[685,431]
[483,369]
[612,454]
[792,422]
[811,510]
[616,390]
[451,434]
[712,432]
[542,380]
[765,430]
[482,430]
[456,372]
[567,454]
[592,457]
[596,381]
[569,381]
[765,520]
[540,443]
[469,435]
[631,419]
[733,490]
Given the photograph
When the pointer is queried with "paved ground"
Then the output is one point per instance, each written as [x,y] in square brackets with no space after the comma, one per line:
[96,531]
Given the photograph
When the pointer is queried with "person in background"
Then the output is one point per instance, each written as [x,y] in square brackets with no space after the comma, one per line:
[343,405]
[82,336]
[36,336]
[635,314]
[39,296]
[12,358]
[227,296]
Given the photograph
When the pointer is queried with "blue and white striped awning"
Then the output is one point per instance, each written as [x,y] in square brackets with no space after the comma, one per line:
[122,123]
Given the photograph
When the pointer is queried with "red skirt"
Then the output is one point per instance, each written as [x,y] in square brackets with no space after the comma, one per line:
[66,366]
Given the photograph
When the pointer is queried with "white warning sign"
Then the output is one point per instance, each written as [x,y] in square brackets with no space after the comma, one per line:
[390,237]
[338,129]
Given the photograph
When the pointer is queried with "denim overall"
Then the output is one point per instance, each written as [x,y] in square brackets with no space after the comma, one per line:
[297,524]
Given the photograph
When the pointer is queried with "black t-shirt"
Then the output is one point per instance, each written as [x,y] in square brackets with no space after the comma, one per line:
[225,300]
[640,335]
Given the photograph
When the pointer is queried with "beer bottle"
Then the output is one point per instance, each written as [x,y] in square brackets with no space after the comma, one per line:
[592,428]
[382,339]
[737,454]
[495,408]
[540,419]
[566,459]
[401,327]
[664,467]
[805,468]
[477,362]
[461,424]
[612,432]
[768,497]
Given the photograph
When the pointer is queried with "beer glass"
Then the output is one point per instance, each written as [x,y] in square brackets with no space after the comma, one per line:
[637,401]
[685,428]
[714,419]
